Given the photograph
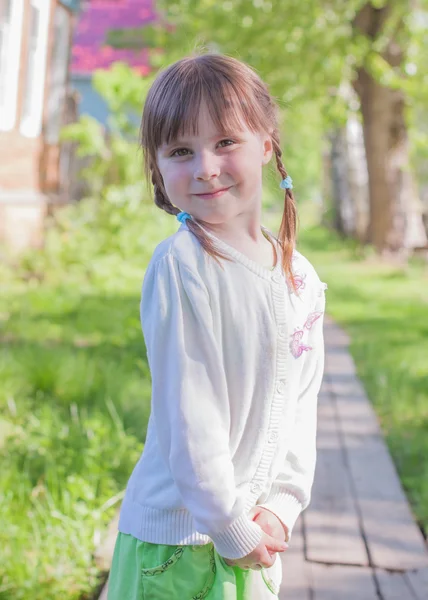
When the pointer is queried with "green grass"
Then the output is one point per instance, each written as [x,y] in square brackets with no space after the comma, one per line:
[384,308]
[74,400]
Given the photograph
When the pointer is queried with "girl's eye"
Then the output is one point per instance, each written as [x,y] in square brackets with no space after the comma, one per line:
[231,142]
[178,152]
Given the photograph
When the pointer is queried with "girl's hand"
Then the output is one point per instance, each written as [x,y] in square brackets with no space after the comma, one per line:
[268,522]
[261,556]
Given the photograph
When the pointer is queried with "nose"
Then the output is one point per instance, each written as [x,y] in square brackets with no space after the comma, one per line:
[206,167]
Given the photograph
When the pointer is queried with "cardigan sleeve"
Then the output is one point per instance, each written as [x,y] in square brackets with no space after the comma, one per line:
[290,493]
[190,404]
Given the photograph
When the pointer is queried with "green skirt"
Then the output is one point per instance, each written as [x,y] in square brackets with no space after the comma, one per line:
[145,571]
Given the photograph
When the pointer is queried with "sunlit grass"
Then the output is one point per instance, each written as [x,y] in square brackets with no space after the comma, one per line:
[74,398]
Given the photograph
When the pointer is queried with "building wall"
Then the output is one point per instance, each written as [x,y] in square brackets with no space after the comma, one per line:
[29,167]
[20,155]
[18,161]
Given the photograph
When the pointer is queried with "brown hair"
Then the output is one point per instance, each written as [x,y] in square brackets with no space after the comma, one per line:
[232,91]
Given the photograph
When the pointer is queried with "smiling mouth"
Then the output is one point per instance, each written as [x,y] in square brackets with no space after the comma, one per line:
[214,194]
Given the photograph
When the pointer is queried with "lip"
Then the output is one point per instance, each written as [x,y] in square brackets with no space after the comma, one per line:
[215,194]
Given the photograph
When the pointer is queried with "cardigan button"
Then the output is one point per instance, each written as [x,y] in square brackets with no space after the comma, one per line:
[281,330]
[280,388]
[272,437]
[256,487]
[276,277]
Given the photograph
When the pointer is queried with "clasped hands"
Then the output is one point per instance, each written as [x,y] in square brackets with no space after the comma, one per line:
[273,541]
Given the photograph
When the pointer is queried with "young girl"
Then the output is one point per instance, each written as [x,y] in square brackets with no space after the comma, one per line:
[232,321]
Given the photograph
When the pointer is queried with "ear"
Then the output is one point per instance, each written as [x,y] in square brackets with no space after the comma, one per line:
[267,149]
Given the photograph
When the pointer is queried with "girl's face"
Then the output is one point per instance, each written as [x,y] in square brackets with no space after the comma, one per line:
[215,177]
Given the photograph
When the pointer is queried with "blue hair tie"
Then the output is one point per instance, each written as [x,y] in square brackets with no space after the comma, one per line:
[183,216]
[287,183]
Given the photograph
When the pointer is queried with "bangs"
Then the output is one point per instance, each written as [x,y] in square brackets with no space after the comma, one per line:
[172,110]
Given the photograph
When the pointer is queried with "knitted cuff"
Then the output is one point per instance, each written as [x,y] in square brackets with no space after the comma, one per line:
[239,539]
[286,507]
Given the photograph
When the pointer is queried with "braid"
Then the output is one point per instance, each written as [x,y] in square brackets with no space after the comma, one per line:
[161,199]
[278,154]
[287,230]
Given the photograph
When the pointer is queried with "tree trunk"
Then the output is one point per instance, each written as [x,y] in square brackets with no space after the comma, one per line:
[344,215]
[326,184]
[346,170]
[358,177]
[395,209]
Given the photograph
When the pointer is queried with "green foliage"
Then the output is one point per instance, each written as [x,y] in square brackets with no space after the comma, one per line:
[305,51]
[113,156]
[87,241]
[124,91]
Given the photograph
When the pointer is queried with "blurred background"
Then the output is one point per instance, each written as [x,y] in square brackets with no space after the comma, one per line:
[78,226]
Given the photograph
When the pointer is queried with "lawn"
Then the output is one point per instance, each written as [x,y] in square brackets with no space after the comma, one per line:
[75,396]
[74,400]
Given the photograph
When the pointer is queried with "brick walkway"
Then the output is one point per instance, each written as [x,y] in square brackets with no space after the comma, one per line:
[358,539]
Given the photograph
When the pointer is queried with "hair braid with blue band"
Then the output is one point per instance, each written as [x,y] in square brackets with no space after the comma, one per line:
[183,216]
[287,183]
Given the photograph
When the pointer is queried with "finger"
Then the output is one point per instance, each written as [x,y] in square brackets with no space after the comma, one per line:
[266,526]
[266,560]
[260,517]
[255,512]
[270,525]
[274,545]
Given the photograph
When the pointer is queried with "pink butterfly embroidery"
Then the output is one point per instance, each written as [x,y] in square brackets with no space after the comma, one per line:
[299,280]
[311,319]
[296,347]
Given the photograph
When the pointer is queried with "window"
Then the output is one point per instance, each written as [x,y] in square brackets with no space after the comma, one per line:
[10,46]
[35,68]
[58,70]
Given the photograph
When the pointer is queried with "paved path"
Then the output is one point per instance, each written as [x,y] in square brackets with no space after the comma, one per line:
[358,539]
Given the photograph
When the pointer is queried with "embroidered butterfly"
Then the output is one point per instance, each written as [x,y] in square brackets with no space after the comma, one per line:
[297,348]
[299,280]
[312,317]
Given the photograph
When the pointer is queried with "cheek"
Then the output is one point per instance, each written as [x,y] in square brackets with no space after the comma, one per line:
[247,163]
[235,163]
[176,177]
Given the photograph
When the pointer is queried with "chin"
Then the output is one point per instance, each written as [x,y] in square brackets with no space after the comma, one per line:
[213,219]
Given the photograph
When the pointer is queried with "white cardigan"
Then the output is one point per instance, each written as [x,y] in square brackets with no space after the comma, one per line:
[236,359]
